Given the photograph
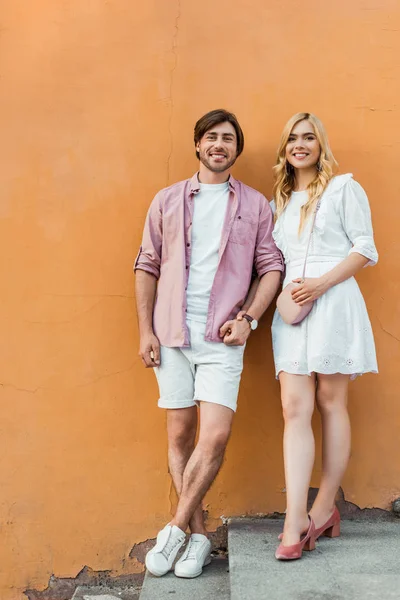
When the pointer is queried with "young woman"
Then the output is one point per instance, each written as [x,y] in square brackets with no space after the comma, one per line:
[316,358]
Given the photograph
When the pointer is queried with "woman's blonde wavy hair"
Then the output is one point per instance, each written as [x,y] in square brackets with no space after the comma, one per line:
[285,175]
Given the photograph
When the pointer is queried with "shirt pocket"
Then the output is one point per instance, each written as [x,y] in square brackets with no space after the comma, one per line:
[243,231]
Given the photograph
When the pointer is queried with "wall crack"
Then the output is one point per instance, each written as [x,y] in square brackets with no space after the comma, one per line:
[73,387]
[171,86]
[388,332]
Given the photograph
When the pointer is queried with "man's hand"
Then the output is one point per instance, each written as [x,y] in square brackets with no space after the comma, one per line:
[308,289]
[150,350]
[235,332]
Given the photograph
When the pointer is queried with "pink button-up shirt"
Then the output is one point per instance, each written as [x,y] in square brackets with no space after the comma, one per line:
[246,242]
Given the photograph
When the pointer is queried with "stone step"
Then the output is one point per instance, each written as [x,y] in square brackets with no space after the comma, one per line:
[213,584]
[84,592]
[362,564]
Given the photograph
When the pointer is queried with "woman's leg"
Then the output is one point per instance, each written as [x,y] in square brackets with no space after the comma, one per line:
[298,398]
[336,438]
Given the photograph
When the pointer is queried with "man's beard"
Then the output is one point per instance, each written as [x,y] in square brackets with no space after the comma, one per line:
[216,168]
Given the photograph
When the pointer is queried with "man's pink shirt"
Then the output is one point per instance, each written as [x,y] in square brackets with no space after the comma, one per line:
[246,242]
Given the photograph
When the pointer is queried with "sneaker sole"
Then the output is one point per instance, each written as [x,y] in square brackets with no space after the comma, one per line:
[155,572]
[197,573]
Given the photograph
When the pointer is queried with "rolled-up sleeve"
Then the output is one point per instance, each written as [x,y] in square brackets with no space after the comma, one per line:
[149,255]
[267,257]
[355,214]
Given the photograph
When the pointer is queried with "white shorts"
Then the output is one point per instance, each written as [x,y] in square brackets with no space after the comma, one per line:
[207,371]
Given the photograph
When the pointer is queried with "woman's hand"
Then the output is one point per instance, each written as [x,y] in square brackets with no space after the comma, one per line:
[308,289]
[240,315]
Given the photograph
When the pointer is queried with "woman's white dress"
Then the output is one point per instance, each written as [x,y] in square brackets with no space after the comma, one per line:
[336,336]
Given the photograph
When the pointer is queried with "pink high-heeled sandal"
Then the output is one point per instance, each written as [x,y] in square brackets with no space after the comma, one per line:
[295,551]
[330,529]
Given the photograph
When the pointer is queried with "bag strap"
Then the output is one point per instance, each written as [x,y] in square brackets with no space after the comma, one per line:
[309,239]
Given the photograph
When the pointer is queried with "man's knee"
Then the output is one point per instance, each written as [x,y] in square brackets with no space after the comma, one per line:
[215,439]
[182,426]
[215,427]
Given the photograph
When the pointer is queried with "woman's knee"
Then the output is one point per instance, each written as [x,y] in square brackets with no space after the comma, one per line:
[296,406]
[331,398]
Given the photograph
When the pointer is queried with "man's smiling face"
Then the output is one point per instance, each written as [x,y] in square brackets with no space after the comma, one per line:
[218,147]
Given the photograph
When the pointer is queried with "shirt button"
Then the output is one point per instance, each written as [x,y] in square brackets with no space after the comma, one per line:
[239,217]
[188,244]
[187,266]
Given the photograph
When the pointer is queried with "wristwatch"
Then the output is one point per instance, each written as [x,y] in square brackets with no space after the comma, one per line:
[252,322]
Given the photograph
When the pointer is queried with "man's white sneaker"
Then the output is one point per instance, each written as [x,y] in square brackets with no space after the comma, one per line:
[196,556]
[159,560]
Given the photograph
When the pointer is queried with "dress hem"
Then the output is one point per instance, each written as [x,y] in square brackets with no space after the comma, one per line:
[309,373]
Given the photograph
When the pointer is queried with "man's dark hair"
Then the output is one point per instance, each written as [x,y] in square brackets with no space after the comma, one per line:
[215,117]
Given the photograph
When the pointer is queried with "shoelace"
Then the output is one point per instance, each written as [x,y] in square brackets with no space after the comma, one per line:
[192,549]
[170,546]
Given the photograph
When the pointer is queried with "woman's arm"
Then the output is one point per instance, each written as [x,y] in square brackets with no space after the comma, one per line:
[355,216]
[314,287]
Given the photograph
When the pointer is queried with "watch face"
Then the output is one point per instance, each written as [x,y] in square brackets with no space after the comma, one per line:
[254,324]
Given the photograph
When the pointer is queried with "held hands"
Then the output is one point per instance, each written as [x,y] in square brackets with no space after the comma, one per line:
[150,350]
[308,289]
[236,331]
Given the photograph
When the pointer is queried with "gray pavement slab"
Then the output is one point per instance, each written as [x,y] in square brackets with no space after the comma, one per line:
[84,592]
[362,564]
[213,584]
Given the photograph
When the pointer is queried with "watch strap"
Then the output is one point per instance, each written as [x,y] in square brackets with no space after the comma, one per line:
[248,318]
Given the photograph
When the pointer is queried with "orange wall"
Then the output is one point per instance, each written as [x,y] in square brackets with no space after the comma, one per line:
[98,101]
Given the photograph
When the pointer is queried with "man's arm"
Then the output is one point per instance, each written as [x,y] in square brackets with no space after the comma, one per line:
[236,332]
[147,270]
[146,285]
[269,285]
[250,296]
[268,263]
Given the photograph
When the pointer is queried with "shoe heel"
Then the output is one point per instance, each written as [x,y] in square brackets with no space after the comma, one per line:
[333,531]
[310,544]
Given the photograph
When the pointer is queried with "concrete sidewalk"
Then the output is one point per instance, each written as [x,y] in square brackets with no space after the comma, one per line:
[362,564]
[213,584]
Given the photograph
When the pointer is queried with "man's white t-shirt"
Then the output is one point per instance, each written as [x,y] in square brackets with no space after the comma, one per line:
[209,210]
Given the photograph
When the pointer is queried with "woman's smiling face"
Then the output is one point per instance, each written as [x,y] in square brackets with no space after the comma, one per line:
[303,149]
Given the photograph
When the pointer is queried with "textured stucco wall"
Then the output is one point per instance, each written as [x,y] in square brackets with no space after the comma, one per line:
[97,104]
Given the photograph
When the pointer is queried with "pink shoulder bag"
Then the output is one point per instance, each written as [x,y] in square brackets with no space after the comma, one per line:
[291,312]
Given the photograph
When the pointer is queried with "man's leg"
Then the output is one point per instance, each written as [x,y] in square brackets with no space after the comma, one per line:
[175,378]
[182,427]
[205,461]
[201,470]
[215,375]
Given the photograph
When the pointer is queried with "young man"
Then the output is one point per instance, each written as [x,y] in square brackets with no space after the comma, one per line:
[201,240]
